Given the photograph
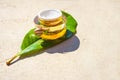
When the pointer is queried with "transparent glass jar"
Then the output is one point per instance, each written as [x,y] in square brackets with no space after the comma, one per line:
[52,24]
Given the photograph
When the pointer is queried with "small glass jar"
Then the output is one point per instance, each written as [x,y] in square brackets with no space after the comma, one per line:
[52,24]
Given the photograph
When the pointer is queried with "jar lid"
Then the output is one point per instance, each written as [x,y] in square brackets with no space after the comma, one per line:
[49,14]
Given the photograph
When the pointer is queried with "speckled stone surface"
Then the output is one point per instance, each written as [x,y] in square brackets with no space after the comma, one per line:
[92,54]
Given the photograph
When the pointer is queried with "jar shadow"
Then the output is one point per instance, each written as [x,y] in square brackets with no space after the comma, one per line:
[36,20]
[69,45]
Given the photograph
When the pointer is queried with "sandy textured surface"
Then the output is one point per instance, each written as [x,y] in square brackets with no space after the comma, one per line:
[93,54]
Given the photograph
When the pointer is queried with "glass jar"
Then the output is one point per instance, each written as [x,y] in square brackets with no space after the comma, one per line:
[52,24]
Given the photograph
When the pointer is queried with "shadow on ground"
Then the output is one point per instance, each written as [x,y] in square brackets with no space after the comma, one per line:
[69,45]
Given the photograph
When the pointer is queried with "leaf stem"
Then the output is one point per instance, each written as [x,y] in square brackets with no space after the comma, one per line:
[11,59]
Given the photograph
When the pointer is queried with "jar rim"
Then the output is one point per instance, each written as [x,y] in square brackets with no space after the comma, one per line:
[49,14]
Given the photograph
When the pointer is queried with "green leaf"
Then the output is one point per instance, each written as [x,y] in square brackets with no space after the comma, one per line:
[36,46]
[29,38]
[71,22]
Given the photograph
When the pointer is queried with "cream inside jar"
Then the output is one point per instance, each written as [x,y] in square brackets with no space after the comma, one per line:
[50,14]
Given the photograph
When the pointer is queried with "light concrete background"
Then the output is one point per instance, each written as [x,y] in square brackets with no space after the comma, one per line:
[93,54]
